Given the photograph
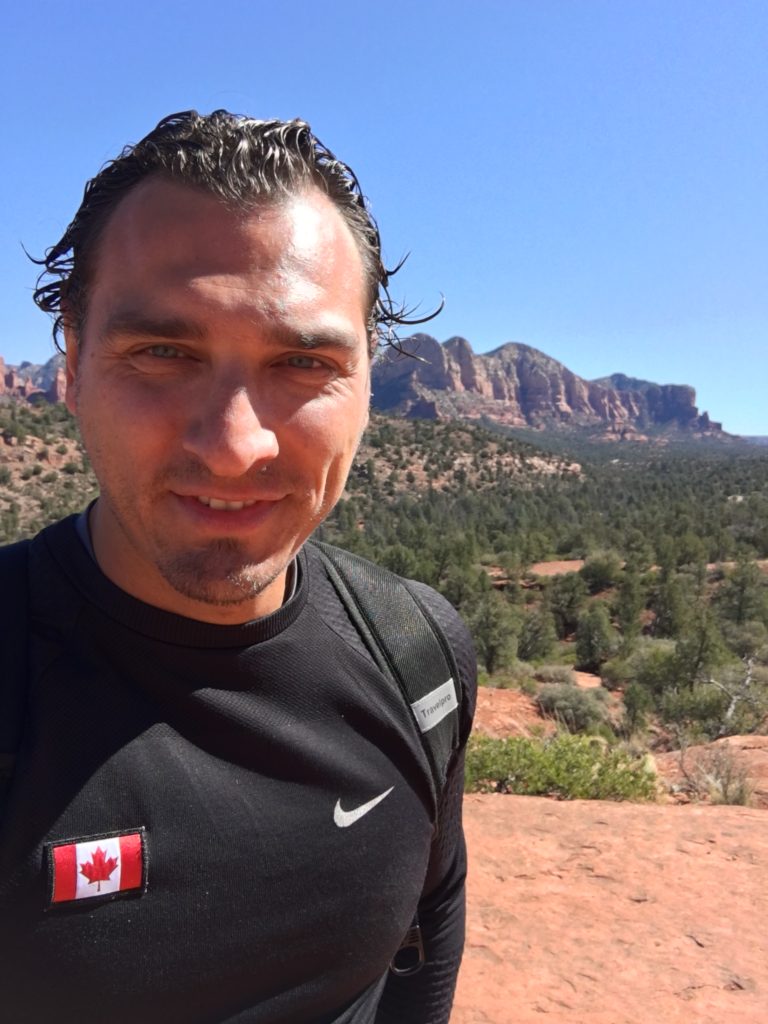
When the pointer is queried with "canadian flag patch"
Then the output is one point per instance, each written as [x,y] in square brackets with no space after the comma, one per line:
[109,865]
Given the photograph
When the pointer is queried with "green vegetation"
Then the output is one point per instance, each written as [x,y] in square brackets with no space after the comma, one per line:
[567,767]
[36,494]
[687,642]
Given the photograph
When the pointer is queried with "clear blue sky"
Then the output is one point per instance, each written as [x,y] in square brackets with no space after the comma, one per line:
[589,177]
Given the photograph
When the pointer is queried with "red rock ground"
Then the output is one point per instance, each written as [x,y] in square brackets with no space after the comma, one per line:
[602,913]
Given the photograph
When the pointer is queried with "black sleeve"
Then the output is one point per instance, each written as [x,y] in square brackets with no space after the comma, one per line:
[427,996]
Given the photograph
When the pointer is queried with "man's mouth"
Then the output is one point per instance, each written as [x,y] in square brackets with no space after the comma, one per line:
[220,505]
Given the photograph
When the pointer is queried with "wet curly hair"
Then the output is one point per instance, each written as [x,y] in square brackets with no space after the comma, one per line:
[240,160]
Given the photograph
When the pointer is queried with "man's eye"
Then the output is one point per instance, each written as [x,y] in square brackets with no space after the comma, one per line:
[306,363]
[164,352]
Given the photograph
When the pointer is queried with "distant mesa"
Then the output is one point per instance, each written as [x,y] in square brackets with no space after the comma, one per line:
[519,386]
[34,383]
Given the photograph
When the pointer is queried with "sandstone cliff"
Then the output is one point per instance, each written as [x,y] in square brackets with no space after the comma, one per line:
[522,387]
[32,383]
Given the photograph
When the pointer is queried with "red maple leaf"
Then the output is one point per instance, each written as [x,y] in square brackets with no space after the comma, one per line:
[99,869]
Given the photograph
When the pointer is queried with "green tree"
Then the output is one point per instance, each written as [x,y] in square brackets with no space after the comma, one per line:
[671,603]
[743,595]
[638,702]
[601,571]
[596,638]
[537,635]
[630,601]
[494,627]
[567,595]
[699,649]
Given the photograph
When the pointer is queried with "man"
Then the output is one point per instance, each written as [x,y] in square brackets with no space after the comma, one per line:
[221,808]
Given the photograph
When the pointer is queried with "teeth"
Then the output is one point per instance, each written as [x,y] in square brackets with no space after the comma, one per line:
[225,506]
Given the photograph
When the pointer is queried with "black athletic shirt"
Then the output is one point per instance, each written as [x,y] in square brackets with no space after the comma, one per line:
[223,751]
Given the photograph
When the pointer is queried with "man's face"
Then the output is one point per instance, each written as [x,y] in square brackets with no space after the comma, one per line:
[222,385]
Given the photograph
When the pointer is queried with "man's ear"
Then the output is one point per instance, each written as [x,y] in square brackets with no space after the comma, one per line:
[73,355]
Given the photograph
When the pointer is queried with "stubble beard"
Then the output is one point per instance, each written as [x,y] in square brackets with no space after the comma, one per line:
[218,574]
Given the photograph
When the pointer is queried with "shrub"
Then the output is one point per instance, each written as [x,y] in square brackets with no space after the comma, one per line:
[615,673]
[716,774]
[5,476]
[518,675]
[567,767]
[71,468]
[578,710]
[562,674]
[702,708]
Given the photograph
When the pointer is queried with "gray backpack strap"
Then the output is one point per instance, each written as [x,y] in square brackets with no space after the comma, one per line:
[408,647]
[14,595]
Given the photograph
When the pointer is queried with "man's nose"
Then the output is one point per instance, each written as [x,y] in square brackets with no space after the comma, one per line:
[229,435]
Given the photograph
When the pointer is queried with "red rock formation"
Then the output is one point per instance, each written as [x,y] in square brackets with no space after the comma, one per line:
[520,386]
[34,383]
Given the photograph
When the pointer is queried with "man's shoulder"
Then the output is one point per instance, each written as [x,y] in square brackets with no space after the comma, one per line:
[377,582]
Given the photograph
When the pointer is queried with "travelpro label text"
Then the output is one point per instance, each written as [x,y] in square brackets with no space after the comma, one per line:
[435,706]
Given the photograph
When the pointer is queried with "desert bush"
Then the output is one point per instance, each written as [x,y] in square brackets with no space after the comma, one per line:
[652,664]
[5,476]
[518,675]
[567,767]
[716,774]
[615,673]
[577,710]
[747,640]
[562,674]
[702,709]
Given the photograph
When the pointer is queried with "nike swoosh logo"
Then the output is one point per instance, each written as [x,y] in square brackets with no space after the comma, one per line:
[345,818]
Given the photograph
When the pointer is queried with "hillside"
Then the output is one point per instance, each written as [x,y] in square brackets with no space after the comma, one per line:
[519,386]
[44,471]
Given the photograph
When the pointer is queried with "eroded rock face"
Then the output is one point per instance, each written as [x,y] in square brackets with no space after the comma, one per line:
[521,386]
[30,383]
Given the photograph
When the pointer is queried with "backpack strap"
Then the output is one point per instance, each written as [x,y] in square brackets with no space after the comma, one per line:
[408,647]
[14,596]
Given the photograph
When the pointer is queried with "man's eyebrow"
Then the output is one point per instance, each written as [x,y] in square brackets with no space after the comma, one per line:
[177,328]
[326,338]
[144,325]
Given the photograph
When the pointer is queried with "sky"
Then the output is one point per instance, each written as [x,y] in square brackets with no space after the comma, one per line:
[589,177]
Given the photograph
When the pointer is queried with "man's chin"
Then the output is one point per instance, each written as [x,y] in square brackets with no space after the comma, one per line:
[218,576]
